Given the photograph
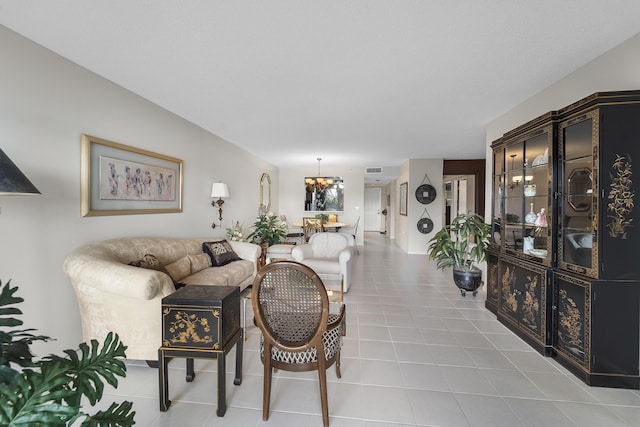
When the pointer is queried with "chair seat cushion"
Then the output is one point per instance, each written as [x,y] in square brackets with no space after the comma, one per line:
[331,339]
[280,249]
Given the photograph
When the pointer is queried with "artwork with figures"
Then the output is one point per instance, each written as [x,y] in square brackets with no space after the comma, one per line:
[128,180]
[324,194]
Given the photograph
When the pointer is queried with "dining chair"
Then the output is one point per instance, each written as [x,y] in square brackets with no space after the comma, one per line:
[311,225]
[297,236]
[291,309]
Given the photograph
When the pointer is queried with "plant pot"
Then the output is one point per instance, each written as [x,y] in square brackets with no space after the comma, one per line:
[467,279]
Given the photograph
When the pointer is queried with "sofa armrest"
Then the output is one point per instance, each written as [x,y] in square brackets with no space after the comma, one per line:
[246,250]
[345,255]
[116,278]
[301,252]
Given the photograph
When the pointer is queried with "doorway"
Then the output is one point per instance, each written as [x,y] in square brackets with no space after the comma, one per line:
[372,209]
[459,196]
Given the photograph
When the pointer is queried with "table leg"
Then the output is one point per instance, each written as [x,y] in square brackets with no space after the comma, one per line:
[244,317]
[239,345]
[191,373]
[164,382]
[222,385]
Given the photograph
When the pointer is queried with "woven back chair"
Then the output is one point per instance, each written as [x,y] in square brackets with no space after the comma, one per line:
[310,226]
[291,309]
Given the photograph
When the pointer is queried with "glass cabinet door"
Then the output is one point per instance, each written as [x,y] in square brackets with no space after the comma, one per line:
[513,201]
[578,189]
[527,201]
[498,196]
[537,196]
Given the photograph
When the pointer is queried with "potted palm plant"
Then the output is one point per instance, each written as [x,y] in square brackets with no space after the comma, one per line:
[460,245]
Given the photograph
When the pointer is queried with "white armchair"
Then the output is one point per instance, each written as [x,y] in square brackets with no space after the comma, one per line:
[328,253]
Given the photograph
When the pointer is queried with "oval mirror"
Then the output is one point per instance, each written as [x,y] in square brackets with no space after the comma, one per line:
[265,193]
[580,189]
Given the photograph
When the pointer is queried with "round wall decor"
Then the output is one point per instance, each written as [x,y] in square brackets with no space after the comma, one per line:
[425,225]
[425,194]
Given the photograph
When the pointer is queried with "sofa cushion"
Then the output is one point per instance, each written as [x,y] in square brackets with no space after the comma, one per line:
[199,262]
[208,276]
[220,252]
[229,275]
[149,261]
[237,272]
[179,269]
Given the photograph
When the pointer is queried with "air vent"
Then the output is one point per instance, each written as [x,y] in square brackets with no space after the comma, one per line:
[373,170]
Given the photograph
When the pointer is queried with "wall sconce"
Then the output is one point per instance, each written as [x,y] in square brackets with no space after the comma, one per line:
[219,190]
[12,181]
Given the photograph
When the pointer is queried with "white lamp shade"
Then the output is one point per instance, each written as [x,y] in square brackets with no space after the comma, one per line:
[219,189]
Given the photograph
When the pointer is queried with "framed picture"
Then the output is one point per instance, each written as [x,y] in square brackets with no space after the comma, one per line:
[117,179]
[403,198]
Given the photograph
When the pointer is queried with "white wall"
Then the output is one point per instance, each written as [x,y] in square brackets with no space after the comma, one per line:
[406,233]
[46,103]
[617,69]
[293,193]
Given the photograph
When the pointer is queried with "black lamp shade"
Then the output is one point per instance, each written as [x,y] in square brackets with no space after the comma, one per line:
[12,180]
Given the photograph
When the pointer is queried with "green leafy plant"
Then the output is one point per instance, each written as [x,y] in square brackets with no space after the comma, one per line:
[268,228]
[48,392]
[462,243]
[323,217]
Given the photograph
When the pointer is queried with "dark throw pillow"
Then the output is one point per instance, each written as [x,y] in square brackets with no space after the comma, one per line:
[150,262]
[220,253]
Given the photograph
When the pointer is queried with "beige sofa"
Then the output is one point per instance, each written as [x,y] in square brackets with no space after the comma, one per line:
[115,296]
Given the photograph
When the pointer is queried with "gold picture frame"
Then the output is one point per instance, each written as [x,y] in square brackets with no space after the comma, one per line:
[118,179]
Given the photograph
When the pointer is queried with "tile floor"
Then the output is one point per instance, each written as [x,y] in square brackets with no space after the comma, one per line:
[417,353]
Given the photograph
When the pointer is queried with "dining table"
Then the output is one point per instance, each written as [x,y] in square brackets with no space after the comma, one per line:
[329,224]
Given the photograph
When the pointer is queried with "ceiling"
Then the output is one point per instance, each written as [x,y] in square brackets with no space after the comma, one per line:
[359,83]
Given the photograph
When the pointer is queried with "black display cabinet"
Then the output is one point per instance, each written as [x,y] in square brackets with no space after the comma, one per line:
[582,254]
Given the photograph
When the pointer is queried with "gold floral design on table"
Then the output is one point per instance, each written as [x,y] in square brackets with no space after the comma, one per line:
[620,197]
[570,325]
[188,328]
[531,305]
